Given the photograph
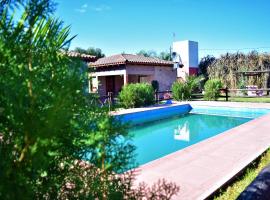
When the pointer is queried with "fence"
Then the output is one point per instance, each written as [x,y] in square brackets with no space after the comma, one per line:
[163,95]
[254,92]
[167,95]
[111,99]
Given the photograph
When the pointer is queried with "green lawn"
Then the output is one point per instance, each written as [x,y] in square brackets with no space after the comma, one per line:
[241,99]
[234,189]
[251,99]
[247,99]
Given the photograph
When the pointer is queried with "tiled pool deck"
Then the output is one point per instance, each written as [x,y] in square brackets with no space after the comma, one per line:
[204,167]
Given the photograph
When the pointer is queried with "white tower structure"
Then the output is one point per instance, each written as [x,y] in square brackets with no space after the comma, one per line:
[186,54]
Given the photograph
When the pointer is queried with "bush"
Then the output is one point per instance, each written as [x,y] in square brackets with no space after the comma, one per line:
[183,90]
[212,88]
[180,91]
[137,95]
[56,142]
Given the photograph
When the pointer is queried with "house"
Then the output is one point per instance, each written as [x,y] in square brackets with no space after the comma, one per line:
[109,74]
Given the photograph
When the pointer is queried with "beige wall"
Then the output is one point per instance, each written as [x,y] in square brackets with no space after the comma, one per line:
[119,82]
[165,76]
[133,78]
[140,70]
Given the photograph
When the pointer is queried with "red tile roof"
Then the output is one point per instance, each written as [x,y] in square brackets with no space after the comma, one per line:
[130,59]
[85,57]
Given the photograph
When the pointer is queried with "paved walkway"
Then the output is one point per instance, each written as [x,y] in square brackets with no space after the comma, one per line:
[202,168]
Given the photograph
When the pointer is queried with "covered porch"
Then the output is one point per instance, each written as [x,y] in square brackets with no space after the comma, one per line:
[113,81]
[111,73]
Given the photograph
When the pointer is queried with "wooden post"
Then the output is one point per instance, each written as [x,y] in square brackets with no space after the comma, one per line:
[125,78]
[110,99]
[226,92]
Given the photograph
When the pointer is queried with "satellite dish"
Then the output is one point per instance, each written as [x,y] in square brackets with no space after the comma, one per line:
[176,58]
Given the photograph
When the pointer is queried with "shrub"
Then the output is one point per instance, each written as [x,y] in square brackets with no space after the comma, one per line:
[137,95]
[56,142]
[180,91]
[183,90]
[212,89]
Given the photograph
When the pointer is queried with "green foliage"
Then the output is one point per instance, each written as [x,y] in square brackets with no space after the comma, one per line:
[183,90]
[136,95]
[241,84]
[204,64]
[150,53]
[91,51]
[47,122]
[240,183]
[56,142]
[250,99]
[164,55]
[212,89]
[155,85]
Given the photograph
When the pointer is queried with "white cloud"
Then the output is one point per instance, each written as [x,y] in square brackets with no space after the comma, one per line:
[101,8]
[98,8]
[82,9]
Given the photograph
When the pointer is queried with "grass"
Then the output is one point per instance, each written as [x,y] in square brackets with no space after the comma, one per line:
[241,99]
[251,99]
[238,186]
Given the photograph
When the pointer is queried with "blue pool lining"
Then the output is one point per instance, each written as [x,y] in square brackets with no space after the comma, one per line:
[155,114]
[140,117]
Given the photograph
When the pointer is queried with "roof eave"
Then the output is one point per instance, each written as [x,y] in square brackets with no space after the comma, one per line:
[150,64]
[106,65]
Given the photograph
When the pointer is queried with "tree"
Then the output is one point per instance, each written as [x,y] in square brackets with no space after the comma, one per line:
[227,65]
[55,141]
[150,53]
[91,51]
[204,64]
[164,55]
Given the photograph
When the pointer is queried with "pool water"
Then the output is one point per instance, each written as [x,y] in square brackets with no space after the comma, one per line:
[227,111]
[161,137]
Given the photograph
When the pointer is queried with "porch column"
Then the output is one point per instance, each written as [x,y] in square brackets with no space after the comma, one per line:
[90,83]
[96,84]
[93,84]
[125,78]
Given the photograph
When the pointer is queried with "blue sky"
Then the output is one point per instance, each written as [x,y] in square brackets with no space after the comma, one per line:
[128,26]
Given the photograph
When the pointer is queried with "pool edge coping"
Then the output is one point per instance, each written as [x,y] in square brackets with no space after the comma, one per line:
[235,171]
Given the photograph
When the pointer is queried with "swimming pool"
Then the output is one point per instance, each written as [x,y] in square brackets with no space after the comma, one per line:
[161,136]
